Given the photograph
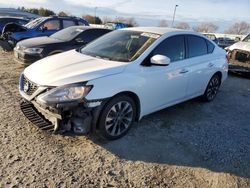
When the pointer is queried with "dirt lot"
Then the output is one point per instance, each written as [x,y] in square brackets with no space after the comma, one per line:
[193,144]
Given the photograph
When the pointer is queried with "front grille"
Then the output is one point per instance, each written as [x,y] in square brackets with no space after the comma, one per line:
[29,87]
[36,117]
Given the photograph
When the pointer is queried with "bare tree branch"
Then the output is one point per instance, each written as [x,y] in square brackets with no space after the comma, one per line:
[182,25]
[240,28]
[163,23]
[206,27]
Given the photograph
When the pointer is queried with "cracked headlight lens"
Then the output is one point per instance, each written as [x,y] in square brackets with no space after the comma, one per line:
[64,94]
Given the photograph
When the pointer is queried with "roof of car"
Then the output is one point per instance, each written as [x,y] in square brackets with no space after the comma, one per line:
[156,30]
[12,17]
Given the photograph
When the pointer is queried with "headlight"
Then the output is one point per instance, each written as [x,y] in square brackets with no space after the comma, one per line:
[64,94]
[33,50]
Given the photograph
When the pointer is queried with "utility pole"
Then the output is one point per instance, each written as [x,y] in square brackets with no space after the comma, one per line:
[174,15]
[95,14]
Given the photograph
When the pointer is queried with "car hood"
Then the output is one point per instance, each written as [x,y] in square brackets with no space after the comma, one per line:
[38,41]
[241,46]
[70,67]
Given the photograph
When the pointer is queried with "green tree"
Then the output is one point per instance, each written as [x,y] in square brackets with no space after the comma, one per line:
[45,12]
[92,19]
[62,14]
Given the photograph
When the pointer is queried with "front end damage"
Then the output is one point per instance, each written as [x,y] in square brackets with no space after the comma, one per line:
[7,43]
[77,117]
[239,61]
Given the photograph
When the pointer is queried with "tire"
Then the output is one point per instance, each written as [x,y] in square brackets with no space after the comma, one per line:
[117,117]
[212,88]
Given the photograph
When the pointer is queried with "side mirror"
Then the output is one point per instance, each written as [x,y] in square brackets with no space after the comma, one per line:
[160,60]
[79,40]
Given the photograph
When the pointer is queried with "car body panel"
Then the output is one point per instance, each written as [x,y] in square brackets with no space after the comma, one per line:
[70,67]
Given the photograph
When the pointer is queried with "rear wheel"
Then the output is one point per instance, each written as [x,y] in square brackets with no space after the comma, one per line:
[212,88]
[117,117]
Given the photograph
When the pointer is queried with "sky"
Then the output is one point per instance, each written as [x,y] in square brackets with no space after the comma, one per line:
[149,12]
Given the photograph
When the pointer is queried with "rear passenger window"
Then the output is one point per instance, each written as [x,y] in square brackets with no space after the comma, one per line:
[197,46]
[210,47]
[68,23]
[173,47]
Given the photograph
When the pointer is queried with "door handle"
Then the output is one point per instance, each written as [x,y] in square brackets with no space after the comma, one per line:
[183,71]
[210,65]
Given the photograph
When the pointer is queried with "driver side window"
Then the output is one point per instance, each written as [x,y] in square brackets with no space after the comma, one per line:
[172,47]
[51,25]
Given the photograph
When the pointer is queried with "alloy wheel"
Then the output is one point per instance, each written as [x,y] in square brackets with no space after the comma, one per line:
[213,88]
[119,118]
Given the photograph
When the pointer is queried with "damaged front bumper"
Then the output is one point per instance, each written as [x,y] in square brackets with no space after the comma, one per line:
[78,117]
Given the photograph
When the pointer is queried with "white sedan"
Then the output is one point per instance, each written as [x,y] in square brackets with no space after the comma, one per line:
[119,78]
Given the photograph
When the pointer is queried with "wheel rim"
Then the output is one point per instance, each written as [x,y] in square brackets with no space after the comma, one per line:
[119,118]
[213,88]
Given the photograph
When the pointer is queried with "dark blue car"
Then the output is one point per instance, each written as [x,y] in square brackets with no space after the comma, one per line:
[44,26]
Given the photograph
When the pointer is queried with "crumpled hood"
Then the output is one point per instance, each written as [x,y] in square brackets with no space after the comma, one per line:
[70,67]
[38,41]
[241,46]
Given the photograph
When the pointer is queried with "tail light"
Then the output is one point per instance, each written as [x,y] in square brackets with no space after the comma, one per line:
[228,55]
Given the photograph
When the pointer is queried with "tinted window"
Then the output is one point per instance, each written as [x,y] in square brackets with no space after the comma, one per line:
[173,47]
[91,34]
[67,34]
[68,23]
[210,47]
[197,46]
[51,25]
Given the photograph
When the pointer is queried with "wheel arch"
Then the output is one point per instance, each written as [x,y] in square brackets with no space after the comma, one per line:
[132,95]
[219,74]
[135,98]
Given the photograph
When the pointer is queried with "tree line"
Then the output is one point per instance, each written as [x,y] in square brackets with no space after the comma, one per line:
[240,28]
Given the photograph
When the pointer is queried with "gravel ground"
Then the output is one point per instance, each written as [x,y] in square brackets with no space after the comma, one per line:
[192,144]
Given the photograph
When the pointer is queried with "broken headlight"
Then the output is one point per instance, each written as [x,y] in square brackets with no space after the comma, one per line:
[62,94]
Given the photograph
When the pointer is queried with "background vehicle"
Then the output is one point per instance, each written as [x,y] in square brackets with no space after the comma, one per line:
[212,37]
[44,26]
[31,50]
[239,54]
[224,42]
[115,25]
[119,78]
[6,20]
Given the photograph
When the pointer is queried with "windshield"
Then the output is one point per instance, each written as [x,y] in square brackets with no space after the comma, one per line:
[247,38]
[32,24]
[120,45]
[67,34]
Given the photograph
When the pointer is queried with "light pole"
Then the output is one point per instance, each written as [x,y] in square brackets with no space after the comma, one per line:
[95,14]
[174,15]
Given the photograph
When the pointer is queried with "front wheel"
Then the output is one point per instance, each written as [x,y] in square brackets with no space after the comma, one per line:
[212,88]
[117,117]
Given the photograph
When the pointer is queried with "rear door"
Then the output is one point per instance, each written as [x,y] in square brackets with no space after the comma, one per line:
[201,65]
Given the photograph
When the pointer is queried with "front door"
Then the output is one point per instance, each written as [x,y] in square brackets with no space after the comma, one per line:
[167,84]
